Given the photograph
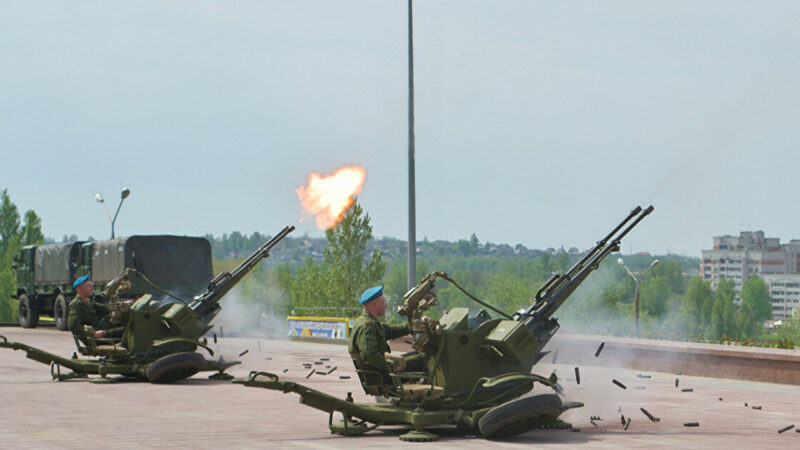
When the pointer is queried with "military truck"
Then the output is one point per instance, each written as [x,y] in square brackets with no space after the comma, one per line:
[45,273]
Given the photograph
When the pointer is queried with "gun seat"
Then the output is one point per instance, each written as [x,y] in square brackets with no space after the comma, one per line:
[100,347]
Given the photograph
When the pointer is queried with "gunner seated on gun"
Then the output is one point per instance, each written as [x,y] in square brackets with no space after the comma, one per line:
[85,311]
[368,343]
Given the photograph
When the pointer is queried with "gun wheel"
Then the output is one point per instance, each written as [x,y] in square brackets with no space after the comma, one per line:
[521,415]
[175,367]
[418,436]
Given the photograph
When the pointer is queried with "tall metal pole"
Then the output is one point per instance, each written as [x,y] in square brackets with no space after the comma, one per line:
[636,308]
[412,225]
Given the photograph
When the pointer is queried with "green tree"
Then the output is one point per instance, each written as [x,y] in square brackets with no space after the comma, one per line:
[562,262]
[756,307]
[699,298]
[724,311]
[9,222]
[349,268]
[32,229]
[464,247]
[9,246]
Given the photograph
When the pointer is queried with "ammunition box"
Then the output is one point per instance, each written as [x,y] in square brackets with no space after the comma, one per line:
[180,317]
[513,340]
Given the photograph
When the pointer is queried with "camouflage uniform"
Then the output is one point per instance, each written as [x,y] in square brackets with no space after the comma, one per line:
[90,313]
[368,345]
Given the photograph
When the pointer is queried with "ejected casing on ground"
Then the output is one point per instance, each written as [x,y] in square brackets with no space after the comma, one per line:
[627,423]
[687,390]
[786,428]
[577,376]
[677,382]
[243,353]
[650,416]
[618,383]
[692,424]
[599,349]
[310,373]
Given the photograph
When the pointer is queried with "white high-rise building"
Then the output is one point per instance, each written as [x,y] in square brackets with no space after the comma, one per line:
[752,254]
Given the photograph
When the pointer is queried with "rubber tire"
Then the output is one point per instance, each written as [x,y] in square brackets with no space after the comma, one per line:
[28,312]
[512,417]
[175,367]
[61,312]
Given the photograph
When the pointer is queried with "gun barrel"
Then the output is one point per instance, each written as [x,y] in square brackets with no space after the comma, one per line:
[555,292]
[206,303]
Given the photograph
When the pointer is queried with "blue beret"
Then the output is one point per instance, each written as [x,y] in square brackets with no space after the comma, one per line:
[371,294]
[80,281]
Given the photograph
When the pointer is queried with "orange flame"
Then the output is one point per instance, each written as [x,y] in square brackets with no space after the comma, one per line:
[328,197]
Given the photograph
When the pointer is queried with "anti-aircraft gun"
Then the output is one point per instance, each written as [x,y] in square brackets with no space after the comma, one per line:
[478,367]
[161,337]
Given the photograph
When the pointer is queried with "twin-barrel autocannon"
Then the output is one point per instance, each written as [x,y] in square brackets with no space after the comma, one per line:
[478,368]
[161,338]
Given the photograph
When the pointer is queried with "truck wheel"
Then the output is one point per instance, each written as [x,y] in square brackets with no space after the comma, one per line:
[60,311]
[175,367]
[520,415]
[28,312]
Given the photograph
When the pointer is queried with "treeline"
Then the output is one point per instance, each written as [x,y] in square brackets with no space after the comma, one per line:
[15,232]
[674,304]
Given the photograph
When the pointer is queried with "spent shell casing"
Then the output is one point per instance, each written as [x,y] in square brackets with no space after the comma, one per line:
[643,376]
[786,428]
[577,376]
[641,388]
[285,370]
[331,371]
[619,384]
[310,373]
[599,349]
[687,390]
[268,358]
[324,359]
[318,362]
[756,407]
[627,423]
[622,419]
[243,353]
[677,382]
[692,424]
[344,377]
[215,338]
[650,416]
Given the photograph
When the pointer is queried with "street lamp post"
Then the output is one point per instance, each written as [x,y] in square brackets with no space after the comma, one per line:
[123,195]
[636,279]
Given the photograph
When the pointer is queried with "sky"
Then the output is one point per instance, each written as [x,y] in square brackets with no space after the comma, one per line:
[540,123]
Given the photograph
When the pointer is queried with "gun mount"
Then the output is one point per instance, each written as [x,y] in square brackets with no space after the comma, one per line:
[478,367]
[161,338]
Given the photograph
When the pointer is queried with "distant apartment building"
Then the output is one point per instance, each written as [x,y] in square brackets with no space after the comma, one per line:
[751,254]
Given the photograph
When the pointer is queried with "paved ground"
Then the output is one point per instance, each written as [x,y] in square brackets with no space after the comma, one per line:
[36,412]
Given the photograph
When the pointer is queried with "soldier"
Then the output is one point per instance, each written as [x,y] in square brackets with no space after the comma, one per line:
[84,311]
[368,346]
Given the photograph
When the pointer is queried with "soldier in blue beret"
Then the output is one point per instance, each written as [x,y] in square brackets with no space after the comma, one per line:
[84,311]
[369,348]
